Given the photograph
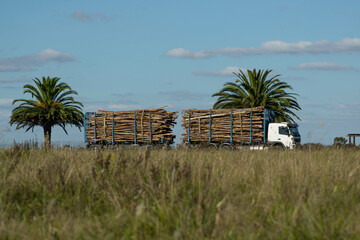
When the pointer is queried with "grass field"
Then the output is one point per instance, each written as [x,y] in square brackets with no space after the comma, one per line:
[179,194]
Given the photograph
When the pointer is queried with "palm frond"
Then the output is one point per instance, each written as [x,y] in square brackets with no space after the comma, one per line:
[52,104]
[259,88]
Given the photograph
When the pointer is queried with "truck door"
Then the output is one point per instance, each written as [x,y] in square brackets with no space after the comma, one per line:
[284,136]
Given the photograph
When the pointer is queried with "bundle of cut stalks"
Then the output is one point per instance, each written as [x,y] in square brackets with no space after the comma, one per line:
[147,126]
[215,125]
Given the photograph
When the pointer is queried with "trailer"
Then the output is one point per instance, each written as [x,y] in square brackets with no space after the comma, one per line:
[140,127]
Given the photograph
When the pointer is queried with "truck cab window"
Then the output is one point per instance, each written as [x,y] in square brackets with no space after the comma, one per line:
[283,131]
[294,131]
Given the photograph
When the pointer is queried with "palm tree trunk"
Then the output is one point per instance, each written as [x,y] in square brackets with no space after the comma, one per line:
[47,137]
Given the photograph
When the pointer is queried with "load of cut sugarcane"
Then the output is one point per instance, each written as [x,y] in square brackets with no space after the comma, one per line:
[148,126]
[223,125]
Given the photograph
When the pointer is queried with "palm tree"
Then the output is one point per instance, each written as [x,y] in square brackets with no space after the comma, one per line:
[53,105]
[259,89]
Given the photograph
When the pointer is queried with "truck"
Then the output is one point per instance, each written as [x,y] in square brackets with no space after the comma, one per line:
[224,128]
[238,128]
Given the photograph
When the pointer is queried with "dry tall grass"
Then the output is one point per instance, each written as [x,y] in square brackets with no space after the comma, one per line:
[179,194]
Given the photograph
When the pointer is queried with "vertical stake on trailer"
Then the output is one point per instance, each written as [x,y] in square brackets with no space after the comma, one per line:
[135,138]
[112,130]
[150,127]
[231,127]
[264,126]
[251,126]
[85,127]
[95,128]
[189,129]
[105,128]
[210,127]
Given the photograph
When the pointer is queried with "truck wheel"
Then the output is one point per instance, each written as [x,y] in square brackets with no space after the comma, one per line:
[278,146]
[94,146]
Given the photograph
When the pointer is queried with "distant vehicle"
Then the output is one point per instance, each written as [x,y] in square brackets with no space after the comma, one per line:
[224,128]
[238,128]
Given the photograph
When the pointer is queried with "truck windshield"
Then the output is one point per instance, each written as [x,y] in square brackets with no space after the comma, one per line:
[294,131]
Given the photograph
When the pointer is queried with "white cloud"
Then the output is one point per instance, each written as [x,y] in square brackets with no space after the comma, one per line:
[5,102]
[122,107]
[87,17]
[326,66]
[53,55]
[227,71]
[338,111]
[28,62]
[274,47]
[301,47]
[185,53]
[18,80]
[12,68]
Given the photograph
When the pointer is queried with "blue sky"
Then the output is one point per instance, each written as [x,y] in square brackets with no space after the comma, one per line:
[122,55]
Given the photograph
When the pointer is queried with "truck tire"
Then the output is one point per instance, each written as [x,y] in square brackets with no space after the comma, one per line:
[278,146]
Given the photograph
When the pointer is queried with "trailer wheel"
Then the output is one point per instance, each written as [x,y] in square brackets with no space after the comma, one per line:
[213,146]
[189,146]
[227,146]
[95,146]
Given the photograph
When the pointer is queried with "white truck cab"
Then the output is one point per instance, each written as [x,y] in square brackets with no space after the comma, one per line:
[285,134]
